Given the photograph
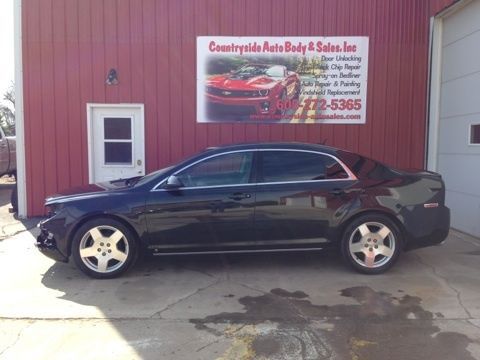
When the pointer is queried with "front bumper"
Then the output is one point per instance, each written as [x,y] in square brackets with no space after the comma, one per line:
[47,245]
[256,105]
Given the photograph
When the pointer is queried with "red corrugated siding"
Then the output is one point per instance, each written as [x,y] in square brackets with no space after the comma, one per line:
[69,45]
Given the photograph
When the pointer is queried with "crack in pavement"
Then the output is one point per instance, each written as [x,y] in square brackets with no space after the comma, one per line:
[220,339]
[198,271]
[183,320]
[169,306]
[119,319]
[16,339]
[472,323]
[447,282]
[5,235]
[471,242]
[252,288]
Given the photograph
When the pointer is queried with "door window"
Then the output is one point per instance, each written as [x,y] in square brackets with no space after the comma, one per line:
[117,140]
[228,169]
[291,166]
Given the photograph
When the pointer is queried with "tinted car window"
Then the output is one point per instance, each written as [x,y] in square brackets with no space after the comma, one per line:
[279,166]
[228,169]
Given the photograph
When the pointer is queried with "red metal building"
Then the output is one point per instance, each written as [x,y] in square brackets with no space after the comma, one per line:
[68,47]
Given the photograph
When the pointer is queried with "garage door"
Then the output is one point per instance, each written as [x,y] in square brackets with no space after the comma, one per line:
[459,123]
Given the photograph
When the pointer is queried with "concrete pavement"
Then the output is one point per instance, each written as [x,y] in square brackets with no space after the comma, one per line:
[9,224]
[262,306]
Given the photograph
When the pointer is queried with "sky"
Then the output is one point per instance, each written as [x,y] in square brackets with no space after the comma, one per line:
[7,68]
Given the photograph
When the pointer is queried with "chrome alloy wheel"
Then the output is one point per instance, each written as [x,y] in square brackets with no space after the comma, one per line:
[372,244]
[103,249]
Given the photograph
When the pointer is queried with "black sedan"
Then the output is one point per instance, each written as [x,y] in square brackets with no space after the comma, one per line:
[250,197]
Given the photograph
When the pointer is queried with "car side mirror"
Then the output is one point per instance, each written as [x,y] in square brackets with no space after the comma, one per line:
[173,182]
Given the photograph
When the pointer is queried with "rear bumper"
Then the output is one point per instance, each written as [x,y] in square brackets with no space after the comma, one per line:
[427,227]
[47,245]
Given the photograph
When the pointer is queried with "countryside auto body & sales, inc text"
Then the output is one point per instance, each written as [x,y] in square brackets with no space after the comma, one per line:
[282,79]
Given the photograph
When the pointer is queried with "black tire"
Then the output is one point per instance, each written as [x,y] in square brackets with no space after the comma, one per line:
[105,248]
[14,199]
[371,244]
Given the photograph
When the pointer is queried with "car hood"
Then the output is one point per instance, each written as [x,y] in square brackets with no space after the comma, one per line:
[252,83]
[85,191]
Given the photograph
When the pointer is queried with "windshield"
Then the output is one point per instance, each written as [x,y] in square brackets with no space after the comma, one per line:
[275,71]
[152,175]
[145,179]
[257,70]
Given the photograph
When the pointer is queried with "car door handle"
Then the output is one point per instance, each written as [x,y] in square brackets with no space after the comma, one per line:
[240,196]
[337,192]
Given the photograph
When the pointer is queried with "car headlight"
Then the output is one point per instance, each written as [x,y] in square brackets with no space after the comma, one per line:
[52,209]
[263,92]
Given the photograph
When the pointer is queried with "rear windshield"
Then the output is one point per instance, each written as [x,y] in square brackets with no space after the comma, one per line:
[364,167]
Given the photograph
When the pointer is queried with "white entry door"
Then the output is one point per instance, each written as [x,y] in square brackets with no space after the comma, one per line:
[116,141]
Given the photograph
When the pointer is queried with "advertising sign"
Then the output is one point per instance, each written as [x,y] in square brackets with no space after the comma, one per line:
[282,79]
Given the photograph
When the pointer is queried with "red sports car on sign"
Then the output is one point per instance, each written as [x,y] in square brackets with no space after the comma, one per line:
[252,89]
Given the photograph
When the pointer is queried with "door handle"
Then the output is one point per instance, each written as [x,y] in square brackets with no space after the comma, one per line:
[240,196]
[337,192]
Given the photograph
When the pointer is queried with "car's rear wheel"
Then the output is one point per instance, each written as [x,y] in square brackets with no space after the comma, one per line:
[371,244]
[104,248]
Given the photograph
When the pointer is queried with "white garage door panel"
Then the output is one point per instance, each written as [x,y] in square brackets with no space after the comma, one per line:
[462,23]
[455,66]
[452,131]
[459,162]
[460,172]
[464,208]
[461,96]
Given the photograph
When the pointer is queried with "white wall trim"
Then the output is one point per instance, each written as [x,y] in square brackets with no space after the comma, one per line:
[453,8]
[435,81]
[19,114]
[90,108]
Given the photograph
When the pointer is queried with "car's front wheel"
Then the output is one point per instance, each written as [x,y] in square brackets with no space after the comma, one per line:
[371,244]
[104,248]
